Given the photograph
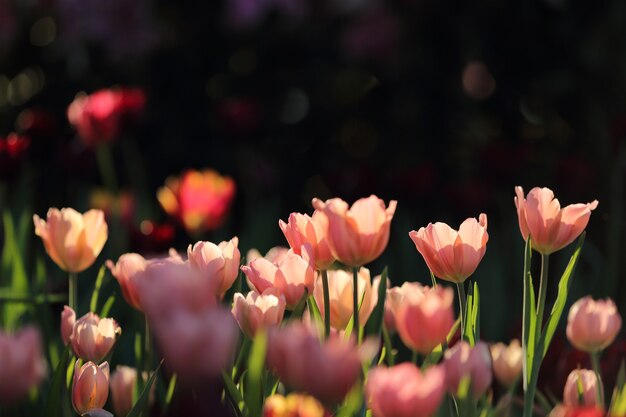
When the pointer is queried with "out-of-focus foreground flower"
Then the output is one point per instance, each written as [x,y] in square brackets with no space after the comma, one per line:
[22,365]
[593,325]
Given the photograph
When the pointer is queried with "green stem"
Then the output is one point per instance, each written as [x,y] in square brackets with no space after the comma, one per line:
[147,344]
[106,166]
[326,304]
[355,301]
[462,306]
[415,358]
[388,346]
[541,302]
[595,362]
[73,291]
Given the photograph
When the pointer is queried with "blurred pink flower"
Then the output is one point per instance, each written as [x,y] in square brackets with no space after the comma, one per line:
[462,361]
[396,298]
[588,380]
[592,325]
[22,365]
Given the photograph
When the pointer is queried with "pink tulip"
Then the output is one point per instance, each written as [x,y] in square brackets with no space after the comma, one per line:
[507,362]
[449,254]
[424,320]
[593,325]
[122,384]
[217,263]
[341,289]
[325,370]
[258,311]
[125,271]
[68,318]
[201,200]
[197,345]
[91,387]
[302,229]
[93,338]
[291,277]
[22,365]
[71,239]
[395,299]
[462,361]
[404,391]
[549,226]
[359,234]
[275,255]
[570,391]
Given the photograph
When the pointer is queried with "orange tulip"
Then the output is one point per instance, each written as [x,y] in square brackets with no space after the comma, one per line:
[593,325]
[507,362]
[22,365]
[92,337]
[125,271]
[302,229]
[91,386]
[462,361]
[258,311]
[452,255]
[359,234]
[199,199]
[424,320]
[72,240]
[293,405]
[549,226]
[217,263]
[589,381]
[68,318]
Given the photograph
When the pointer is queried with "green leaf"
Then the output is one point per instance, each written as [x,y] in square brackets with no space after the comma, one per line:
[352,403]
[529,316]
[474,319]
[93,304]
[55,393]
[561,298]
[254,379]
[375,323]
[13,266]
[142,401]
[469,312]
[232,390]
[621,375]
[314,312]
[348,332]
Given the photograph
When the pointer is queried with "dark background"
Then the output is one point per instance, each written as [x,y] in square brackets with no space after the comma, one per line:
[444,106]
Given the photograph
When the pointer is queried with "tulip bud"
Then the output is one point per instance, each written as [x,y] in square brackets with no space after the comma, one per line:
[68,318]
[258,311]
[507,362]
[125,272]
[217,263]
[91,386]
[588,380]
[463,361]
[593,325]
[92,337]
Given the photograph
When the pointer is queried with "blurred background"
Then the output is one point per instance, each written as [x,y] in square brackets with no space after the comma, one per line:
[440,105]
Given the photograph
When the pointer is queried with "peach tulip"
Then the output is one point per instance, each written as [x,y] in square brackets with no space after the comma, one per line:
[357,235]
[462,361]
[125,271]
[302,228]
[452,255]
[395,299]
[91,386]
[68,318]
[404,391]
[71,239]
[507,362]
[197,345]
[122,383]
[589,381]
[293,405]
[341,290]
[275,255]
[424,320]
[217,263]
[291,277]
[326,370]
[258,311]
[549,226]
[93,338]
[22,365]
[201,200]
[593,325]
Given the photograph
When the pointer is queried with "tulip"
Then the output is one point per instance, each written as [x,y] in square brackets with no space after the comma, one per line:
[293,405]
[404,391]
[97,412]
[589,383]
[199,199]
[218,263]
[359,234]
[258,311]
[122,384]
[341,293]
[549,226]
[507,362]
[593,325]
[302,229]
[462,361]
[125,271]
[395,299]
[424,320]
[120,205]
[91,387]
[93,338]
[71,239]
[197,345]
[275,255]
[68,318]
[579,411]
[453,255]
[291,277]
[22,365]
[327,371]
[100,116]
